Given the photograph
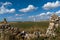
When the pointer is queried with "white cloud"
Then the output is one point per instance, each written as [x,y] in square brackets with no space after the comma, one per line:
[31,16]
[9,17]
[49,13]
[18,18]
[5,10]
[43,16]
[11,10]
[50,5]
[58,12]
[16,14]
[14,19]
[7,3]
[19,14]
[29,8]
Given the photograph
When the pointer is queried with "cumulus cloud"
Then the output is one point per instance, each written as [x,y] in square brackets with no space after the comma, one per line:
[31,16]
[50,5]
[12,18]
[48,13]
[16,14]
[19,14]
[58,12]
[18,18]
[7,3]
[29,8]
[45,14]
[9,17]
[5,10]
[11,10]
[41,16]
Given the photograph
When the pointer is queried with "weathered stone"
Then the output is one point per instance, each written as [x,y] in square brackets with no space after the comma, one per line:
[53,24]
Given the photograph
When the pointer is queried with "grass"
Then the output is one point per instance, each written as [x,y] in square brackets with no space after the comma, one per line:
[33,26]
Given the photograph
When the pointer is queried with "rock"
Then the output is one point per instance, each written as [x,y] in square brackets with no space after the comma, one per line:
[53,24]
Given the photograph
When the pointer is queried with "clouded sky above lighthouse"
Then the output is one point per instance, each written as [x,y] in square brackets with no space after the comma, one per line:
[28,10]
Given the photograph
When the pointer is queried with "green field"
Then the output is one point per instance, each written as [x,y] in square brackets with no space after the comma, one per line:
[33,26]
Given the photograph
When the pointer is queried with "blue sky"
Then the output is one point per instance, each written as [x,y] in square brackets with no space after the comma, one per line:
[28,10]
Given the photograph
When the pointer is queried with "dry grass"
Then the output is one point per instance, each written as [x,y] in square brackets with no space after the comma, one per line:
[33,26]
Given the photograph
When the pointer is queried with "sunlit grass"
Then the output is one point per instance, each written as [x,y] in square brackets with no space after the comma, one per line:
[33,26]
